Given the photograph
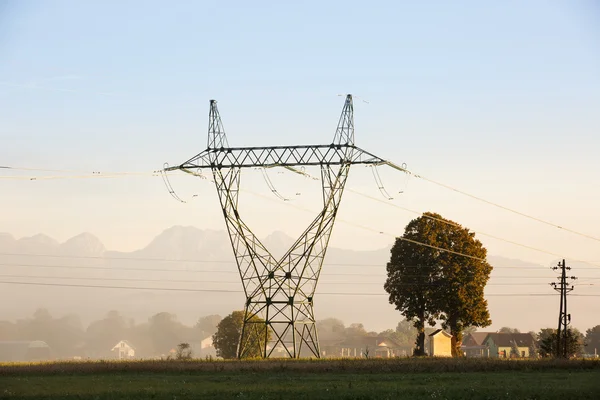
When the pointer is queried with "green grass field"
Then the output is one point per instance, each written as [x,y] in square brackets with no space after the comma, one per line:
[303,379]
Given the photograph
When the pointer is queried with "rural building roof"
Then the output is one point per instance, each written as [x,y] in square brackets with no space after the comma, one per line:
[373,341]
[17,350]
[509,339]
[438,331]
[478,337]
[124,341]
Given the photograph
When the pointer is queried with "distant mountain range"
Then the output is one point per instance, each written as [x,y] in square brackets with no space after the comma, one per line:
[84,244]
[188,258]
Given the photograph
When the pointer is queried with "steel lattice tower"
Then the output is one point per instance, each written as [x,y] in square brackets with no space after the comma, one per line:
[280,292]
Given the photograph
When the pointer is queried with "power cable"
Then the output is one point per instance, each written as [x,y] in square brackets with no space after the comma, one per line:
[271,186]
[379,182]
[399,168]
[228,282]
[83,174]
[497,205]
[168,185]
[208,261]
[172,193]
[239,291]
[214,271]
[458,225]
[380,232]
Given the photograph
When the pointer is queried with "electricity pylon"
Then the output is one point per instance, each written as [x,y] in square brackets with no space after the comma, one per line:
[280,292]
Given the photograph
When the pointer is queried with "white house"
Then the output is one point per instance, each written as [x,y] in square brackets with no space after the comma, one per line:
[203,348]
[123,350]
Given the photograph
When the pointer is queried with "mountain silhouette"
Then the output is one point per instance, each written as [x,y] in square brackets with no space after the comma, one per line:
[198,266]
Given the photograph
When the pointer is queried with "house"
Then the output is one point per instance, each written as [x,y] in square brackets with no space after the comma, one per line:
[203,348]
[509,345]
[440,344]
[365,346]
[472,345]
[123,350]
[14,351]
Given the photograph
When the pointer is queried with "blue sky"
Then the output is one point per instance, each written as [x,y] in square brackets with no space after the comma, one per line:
[497,98]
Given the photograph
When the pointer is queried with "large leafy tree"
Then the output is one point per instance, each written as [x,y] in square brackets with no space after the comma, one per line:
[427,283]
[506,329]
[64,335]
[411,278]
[207,325]
[165,332]
[331,329]
[103,334]
[592,339]
[229,331]
[546,339]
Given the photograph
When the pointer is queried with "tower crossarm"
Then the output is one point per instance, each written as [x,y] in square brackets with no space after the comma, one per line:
[278,313]
[280,156]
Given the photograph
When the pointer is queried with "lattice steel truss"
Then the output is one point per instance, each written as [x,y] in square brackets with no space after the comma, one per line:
[280,292]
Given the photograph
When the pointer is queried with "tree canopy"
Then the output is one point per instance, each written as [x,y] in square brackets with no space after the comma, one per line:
[427,284]
[546,341]
[592,340]
[229,331]
[207,325]
[506,329]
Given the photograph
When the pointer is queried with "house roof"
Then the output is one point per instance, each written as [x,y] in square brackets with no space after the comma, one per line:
[438,331]
[371,341]
[510,339]
[25,343]
[124,341]
[478,337]
[389,342]
[18,350]
[361,341]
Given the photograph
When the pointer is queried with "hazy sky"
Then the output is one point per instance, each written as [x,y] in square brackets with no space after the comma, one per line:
[499,99]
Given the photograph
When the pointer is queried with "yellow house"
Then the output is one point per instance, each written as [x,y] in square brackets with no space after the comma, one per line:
[440,344]
[509,345]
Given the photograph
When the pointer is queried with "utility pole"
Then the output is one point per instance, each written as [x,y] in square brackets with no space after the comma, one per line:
[564,318]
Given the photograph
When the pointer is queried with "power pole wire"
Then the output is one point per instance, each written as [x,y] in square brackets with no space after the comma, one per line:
[564,318]
[240,291]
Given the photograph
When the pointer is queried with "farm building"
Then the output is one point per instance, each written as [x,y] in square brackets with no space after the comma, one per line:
[203,348]
[36,350]
[472,345]
[123,350]
[365,346]
[509,345]
[440,344]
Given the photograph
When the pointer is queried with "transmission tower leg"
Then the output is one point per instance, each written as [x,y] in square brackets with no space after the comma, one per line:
[280,292]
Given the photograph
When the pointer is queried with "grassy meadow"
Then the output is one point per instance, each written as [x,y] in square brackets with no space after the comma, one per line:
[304,379]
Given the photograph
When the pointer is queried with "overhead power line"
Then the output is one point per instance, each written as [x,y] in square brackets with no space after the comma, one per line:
[82,278]
[389,203]
[241,292]
[511,210]
[157,173]
[403,169]
[171,270]
[79,171]
[209,261]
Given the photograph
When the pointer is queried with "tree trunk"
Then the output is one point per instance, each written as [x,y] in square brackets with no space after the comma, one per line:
[456,340]
[420,343]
